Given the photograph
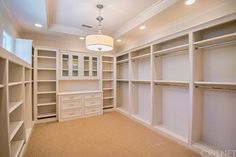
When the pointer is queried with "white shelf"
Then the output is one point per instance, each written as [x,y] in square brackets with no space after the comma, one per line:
[109,97]
[141,56]
[108,62]
[171,50]
[141,81]
[1,86]
[46,115]
[27,82]
[47,92]
[16,147]
[110,71]
[107,89]
[47,69]
[122,80]
[46,81]
[174,83]
[47,104]
[14,127]
[109,106]
[123,61]
[215,40]
[14,105]
[14,83]
[46,57]
[107,80]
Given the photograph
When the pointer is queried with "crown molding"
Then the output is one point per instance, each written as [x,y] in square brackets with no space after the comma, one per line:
[156,8]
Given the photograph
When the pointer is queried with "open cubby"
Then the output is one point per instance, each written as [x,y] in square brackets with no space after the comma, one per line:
[15,93]
[108,93]
[27,74]
[46,98]
[78,85]
[46,75]
[46,53]
[46,64]
[108,103]
[123,57]
[107,67]
[141,69]
[141,52]
[107,75]
[15,73]
[107,59]
[171,110]
[123,96]
[46,86]
[215,119]
[46,111]
[141,99]
[18,142]
[123,71]
[107,84]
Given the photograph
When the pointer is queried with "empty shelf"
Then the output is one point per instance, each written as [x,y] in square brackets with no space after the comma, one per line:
[141,56]
[47,104]
[122,80]
[109,97]
[109,106]
[174,83]
[14,127]
[46,81]
[47,92]
[109,62]
[107,88]
[46,115]
[107,80]
[123,61]
[47,69]
[141,81]
[110,71]
[16,147]
[46,57]
[171,50]
[1,86]
[14,83]
[14,105]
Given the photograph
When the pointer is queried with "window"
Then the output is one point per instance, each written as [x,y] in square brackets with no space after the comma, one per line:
[7,41]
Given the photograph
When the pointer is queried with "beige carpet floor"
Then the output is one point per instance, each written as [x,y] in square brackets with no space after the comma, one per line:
[110,135]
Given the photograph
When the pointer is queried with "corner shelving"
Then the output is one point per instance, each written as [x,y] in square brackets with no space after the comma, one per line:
[108,78]
[45,85]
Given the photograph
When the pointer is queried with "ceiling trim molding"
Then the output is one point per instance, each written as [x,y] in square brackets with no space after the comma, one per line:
[144,15]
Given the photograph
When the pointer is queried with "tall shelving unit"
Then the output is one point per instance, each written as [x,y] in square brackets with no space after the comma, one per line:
[141,84]
[108,81]
[45,84]
[122,72]
[13,104]
[189,80]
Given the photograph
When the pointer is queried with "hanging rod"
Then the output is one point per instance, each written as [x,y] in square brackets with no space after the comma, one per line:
[217,45]
[215,88]
[175,53]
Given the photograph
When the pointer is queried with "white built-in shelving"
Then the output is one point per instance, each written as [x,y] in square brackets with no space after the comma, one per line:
[108,81]
[45,84]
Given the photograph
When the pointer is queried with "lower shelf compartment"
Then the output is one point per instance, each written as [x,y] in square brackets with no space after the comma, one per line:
[16,147]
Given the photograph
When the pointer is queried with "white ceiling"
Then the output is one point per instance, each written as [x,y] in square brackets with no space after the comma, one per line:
[67,16]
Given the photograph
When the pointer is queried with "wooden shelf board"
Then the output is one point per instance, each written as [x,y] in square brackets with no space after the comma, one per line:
[16,147]
[109,97]
[46,81]
[46,57]
[141,81]
[47,104]
[47,69]
[1,86]
[14,105]
[108,106]
[46,115]
[109,62]
[107,89]
[47,92]
[107,80]
[110,71]
[223,38]
[123,61]
[122,80]
[14,83]
[171,50]
[14,127]
[161,128]
[167,82]
[141,56]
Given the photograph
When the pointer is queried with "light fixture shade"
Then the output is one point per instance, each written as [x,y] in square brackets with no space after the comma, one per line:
[99,42]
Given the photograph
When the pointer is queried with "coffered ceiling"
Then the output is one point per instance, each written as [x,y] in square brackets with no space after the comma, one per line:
[68,16]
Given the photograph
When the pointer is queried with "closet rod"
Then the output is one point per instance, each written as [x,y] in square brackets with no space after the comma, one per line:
[216,88]
[217,45]
[167,84]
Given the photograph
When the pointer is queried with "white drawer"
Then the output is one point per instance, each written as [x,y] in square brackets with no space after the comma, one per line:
[71,104]
[70,97]
[92,110]
[71,113]
[92,95]
[93,102]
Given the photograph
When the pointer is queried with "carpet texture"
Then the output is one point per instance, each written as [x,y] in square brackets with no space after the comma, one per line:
[110,135]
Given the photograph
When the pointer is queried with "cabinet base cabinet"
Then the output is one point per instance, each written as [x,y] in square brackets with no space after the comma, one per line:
[79,105]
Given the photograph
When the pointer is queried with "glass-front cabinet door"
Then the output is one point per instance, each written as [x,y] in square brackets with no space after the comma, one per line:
[86,66]
[75,65]
[65,65]
[95,66]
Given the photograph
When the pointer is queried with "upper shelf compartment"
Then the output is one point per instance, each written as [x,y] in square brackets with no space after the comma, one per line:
[223,34]
[15,74]
[123,58]
[141,53]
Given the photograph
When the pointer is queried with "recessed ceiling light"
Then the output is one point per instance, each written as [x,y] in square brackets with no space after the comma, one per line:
[189,2]
[119,40]
[38,25]
[142,27]
[81,38]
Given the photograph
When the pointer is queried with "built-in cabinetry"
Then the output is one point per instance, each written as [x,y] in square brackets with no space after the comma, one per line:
[15,103]
[79,104]
[108,81]
[184,87]
[45,84]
